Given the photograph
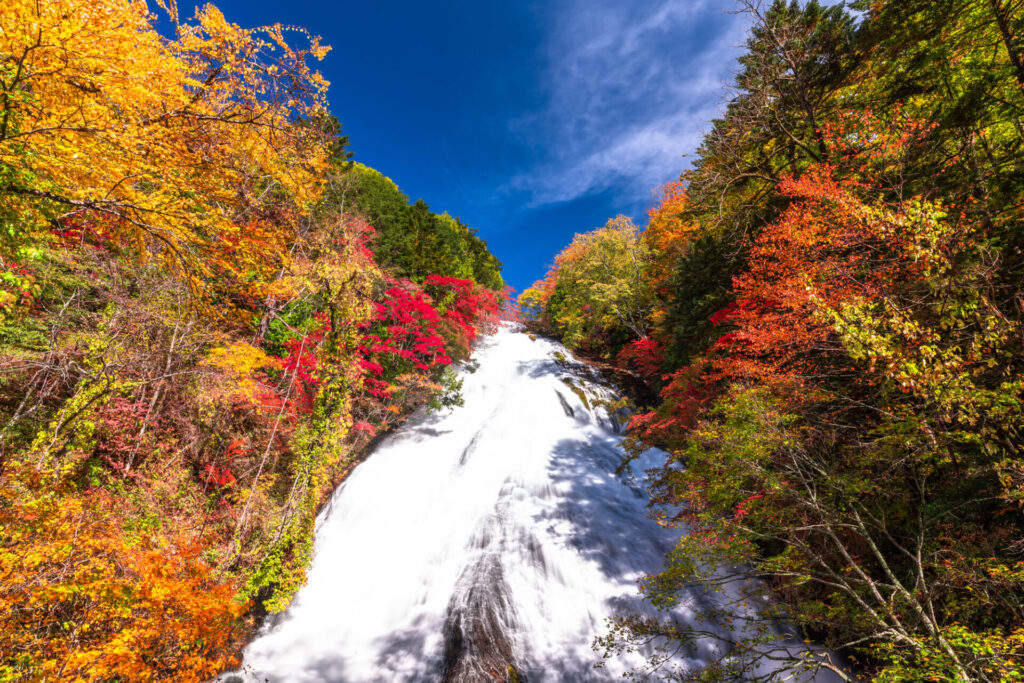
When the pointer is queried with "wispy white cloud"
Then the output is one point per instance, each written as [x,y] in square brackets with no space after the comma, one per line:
[630,88]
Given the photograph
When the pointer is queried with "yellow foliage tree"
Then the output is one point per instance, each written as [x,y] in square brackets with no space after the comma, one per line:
[599,286]
[166,145]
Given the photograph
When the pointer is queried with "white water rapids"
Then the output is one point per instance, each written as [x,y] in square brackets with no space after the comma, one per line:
[494,534]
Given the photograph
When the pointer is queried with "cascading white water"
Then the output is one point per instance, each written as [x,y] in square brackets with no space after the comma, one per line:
[494,534]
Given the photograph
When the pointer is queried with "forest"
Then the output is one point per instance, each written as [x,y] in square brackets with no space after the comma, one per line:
[829,306]
[208,314]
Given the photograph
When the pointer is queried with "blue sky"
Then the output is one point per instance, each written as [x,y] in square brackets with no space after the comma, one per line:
[529,120]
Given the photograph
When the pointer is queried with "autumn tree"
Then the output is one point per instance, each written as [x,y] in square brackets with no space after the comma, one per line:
[796,57]
[666,234]
[166,147]
[600,296]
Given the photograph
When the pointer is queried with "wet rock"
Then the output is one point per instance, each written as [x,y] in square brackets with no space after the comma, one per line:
[477,647]
[468,450]
[569,412]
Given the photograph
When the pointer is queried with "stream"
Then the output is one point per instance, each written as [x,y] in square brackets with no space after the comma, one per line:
[493,535]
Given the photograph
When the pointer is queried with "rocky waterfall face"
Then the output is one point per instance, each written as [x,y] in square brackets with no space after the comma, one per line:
[488,543]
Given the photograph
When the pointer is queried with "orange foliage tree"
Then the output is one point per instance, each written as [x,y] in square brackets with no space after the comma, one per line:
[667,233]
[85,599]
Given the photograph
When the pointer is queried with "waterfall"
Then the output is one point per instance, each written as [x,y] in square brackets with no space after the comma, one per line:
[493,535]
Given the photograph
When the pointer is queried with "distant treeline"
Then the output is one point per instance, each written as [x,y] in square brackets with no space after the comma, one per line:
[412,239]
